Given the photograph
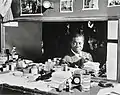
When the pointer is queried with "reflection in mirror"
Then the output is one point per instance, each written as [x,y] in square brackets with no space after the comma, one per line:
[56,42]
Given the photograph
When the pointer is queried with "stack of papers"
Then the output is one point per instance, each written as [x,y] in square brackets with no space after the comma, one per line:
[59,78]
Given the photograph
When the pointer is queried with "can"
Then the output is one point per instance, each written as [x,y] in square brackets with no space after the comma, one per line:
[85,82]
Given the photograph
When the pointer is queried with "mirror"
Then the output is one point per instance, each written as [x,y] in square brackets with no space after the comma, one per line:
[55,39]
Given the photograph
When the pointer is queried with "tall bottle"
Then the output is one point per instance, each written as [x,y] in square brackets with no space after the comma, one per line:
[14,53]
[8,55]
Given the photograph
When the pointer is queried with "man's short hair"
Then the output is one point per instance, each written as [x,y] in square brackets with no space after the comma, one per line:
[76,33]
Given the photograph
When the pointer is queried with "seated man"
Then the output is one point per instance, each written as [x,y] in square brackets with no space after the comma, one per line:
[76,57]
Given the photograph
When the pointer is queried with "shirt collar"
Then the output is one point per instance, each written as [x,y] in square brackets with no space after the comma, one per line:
[76,54]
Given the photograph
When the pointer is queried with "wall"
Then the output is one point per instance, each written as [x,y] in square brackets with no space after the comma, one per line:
[77,10]
[27,39]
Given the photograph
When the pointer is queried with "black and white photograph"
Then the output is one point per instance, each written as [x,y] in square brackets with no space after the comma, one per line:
[113,3]
[66,6]
[90,4]
[46,48]
[31,7]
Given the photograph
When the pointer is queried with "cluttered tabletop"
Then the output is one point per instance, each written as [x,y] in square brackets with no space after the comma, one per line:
[52,78]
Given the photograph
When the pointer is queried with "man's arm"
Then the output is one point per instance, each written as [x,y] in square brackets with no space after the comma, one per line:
[90,57]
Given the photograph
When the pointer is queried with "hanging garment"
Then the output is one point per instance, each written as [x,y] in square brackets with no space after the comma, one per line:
[5,10]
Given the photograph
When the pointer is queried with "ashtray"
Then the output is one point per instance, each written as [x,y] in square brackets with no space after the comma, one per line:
[105,84]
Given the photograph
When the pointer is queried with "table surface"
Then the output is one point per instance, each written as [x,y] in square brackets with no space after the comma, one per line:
[7,89]
[14,88]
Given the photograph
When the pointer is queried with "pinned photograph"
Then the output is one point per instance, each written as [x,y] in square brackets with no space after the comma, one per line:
[30,7]
[113,3]
[66,6]
[90,4]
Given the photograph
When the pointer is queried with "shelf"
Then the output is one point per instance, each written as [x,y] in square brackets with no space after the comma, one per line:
[61,19]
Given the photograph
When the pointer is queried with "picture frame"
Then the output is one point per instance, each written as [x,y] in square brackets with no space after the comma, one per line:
[90,5]
[66,6]
[30,7]
[113,3]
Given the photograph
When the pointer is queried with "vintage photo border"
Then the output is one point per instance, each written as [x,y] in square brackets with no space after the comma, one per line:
[109,1]
[66,11]
[96,8]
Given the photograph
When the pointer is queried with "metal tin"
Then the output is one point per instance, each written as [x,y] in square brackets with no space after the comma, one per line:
[85,82]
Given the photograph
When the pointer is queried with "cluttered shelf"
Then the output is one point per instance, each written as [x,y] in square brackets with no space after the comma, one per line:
[63,19]
[54,19]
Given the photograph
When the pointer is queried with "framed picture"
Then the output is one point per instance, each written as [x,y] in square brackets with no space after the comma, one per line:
[31,7]
[66,6]
[90,4]
[113,3]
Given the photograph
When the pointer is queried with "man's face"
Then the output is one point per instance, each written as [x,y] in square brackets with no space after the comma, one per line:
[77,44]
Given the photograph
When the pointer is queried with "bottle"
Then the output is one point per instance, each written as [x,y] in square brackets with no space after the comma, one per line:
[54,61]
[67,86]
[8,55]
[48,65]
[14,53]
[65,67]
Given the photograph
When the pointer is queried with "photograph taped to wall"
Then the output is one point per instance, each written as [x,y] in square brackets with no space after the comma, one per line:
[31,7]
[66,6]
[113,3]
[90,4]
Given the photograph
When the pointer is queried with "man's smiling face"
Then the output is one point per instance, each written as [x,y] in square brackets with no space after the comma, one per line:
[77,44]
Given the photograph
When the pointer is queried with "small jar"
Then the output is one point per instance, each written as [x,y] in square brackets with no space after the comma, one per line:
[34,70]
